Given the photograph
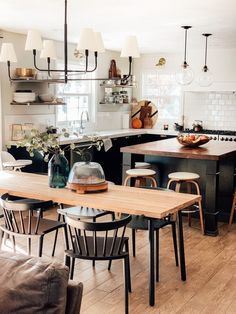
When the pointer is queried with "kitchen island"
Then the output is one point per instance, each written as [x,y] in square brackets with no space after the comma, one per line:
[214,162]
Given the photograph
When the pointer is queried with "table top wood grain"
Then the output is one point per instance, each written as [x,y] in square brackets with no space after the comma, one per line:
[213,150]
[130,200]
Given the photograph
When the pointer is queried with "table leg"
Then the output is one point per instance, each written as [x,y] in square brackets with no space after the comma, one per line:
[181,247]
[152,264]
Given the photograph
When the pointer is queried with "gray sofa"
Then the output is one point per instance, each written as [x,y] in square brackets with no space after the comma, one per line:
[36,285]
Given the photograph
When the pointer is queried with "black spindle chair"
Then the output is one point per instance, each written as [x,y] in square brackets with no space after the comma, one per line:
[111,244]
[140,222]
[20,222]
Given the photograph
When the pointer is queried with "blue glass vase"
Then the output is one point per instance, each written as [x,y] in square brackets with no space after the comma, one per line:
[58,171]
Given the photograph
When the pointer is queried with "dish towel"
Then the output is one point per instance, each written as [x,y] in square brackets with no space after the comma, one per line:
[107,144]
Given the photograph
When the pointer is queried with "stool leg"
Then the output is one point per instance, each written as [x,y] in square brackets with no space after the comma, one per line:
[201,216]
[169,183]
[189,190]
[197,187]
[126,180]
[200,205]
[137,182]
[142,182]
[154,182]
[232,212]
[177,187]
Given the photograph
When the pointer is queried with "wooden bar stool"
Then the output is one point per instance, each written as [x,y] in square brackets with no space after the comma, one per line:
[140,176]
[190,179]
[232,211]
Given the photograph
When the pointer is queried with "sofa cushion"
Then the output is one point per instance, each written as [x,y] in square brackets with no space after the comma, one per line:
[32,285]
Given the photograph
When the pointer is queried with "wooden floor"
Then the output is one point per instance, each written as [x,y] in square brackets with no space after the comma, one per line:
[211,276]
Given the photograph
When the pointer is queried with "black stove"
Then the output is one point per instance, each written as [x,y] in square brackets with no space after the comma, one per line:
[216,135]
[214,132]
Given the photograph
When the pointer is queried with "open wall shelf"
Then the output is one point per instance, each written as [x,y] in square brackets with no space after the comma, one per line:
[36,103]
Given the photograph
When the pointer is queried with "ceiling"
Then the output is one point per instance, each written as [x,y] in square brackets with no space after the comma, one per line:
[155,23]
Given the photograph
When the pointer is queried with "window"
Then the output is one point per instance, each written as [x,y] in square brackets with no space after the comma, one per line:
[78,96]
[164,92]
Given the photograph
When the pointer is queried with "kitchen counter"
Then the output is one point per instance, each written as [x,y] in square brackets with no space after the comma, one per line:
[171,148]
[110,134]
[215,162]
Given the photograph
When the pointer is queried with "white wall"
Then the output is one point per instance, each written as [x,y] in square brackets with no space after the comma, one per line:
[222,64]
[42,115]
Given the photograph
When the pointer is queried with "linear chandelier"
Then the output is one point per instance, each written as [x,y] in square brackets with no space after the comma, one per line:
[89,41]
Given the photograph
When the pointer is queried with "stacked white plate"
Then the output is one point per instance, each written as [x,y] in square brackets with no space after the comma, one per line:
[24,97]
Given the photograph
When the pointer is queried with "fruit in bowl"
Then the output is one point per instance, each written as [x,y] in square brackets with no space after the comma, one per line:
[192,140]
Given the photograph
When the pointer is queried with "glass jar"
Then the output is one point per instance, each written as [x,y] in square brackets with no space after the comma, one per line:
[58,171]
[86,173]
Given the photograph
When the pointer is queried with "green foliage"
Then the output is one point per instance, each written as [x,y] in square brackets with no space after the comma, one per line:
[49,143]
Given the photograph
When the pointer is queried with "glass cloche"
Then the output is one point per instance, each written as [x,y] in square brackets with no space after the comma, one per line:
[86,173]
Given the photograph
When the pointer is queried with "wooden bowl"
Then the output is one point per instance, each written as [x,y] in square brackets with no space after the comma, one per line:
[193,143]
[24,72]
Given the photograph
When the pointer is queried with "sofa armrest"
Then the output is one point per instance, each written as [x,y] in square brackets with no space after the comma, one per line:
[74,297]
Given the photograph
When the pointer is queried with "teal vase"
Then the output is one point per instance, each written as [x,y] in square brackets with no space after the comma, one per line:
[58,171]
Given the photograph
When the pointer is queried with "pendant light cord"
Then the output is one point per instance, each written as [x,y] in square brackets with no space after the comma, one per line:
[185,46]
[206,53]
[205,68]
[185,64]
[65,46]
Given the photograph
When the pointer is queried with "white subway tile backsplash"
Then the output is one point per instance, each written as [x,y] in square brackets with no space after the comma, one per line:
[216,110]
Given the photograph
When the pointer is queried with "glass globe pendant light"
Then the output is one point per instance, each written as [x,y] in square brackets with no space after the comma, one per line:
[206,77]
[185,74]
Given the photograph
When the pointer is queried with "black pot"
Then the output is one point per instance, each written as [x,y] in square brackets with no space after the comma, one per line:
[178,127]
[197,128]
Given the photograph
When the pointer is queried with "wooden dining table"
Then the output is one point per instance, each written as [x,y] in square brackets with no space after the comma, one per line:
[153,204]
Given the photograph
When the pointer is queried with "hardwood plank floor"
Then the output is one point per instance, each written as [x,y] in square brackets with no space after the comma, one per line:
[211,275]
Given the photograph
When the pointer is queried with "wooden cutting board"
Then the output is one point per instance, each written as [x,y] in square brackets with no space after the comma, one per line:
[145,110]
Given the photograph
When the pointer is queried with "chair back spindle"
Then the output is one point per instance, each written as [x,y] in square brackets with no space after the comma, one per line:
[92,239]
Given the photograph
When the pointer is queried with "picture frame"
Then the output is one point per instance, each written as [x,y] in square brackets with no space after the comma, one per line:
[17,132]
[26,128]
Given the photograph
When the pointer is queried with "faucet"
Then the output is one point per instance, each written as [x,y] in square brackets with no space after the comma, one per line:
[82,127]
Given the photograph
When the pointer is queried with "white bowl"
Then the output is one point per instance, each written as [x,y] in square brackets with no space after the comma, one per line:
[46,97]
[24,97]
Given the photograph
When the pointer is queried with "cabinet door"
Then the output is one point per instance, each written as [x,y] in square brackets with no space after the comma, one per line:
[38,164]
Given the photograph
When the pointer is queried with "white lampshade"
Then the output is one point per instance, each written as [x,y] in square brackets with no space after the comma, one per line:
[87,40]
[99,42]
[130,48]
[49,50]
[8,53]
[33,41]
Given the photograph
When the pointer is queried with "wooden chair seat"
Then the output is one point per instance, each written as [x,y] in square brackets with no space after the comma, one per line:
[45,226]
[80,212]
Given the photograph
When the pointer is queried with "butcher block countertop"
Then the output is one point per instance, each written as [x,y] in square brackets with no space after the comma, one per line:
[213,150]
